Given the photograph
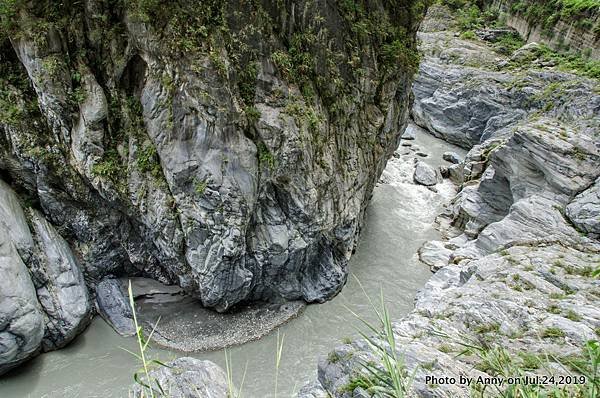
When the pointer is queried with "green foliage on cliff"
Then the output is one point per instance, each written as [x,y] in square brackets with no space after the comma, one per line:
[548,13]
[395,45]
[18,101]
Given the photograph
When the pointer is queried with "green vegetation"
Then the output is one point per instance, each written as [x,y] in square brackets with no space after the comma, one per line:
[147,160]
[18,101]
[487,328]
[573,63]
[470,17]
[495,360]
[252,114]
[508,44]
[109,166]
[395,48]
[547,12]
[572,315]
[265,157]
[389,377]
[149,386]
[200,187]
[530,361]
[552,332]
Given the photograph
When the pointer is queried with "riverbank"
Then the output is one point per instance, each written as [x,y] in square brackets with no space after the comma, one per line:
[400,211]
[515,281]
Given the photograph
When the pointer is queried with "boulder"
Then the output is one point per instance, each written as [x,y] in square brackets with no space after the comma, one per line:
[186,378]
[434,254]
[584,210]
[495,34]
[425,174]
[113,305]
[451,157]
[313,390]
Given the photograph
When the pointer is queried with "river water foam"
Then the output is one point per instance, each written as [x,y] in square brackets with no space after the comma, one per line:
[399,220]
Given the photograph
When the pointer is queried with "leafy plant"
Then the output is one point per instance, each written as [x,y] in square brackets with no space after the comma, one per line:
[388,378]
[150,387]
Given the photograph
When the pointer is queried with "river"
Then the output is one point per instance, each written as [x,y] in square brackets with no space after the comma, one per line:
[399,220]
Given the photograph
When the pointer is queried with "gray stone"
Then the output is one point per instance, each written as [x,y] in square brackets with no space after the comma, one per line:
[425,174]
[495,34]
[434,254]
[313,390]
[113,305]
[186,378]
[228,206]
[21,317]
[463,96]
[410,133]
[584,210]
[464,303]
[60,286]
[451,157]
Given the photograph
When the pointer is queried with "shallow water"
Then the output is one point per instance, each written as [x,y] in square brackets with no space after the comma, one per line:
[399,220]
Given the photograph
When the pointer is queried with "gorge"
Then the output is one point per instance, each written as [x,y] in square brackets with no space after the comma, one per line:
[237,158]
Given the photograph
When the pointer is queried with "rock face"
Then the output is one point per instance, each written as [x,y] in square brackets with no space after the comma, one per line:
[113,305]
[60,287]
[232,155]
[22,320]
[187,378]
[44,302]
[514,274]
[465,93]
[584,210]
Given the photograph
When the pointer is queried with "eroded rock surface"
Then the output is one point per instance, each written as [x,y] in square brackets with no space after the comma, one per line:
[584,210]
[44,301]
[229,148]
[513,275]
[187,378]
[113,305]
[21,318]
[236,166]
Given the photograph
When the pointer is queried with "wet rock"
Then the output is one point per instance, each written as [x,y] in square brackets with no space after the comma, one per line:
[425,174]
[22,321]
[21,317]
[584,210]
[451,157]
[187,378]
[435,255]
[113,305]
[45,303]
[60,286]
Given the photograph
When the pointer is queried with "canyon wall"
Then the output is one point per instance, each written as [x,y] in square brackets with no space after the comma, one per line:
[561,33]
[230,148]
